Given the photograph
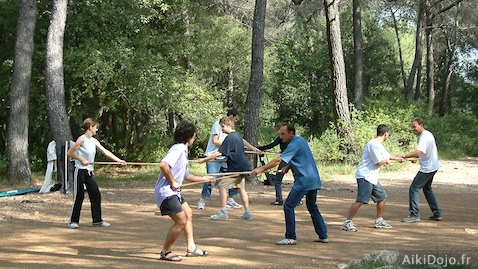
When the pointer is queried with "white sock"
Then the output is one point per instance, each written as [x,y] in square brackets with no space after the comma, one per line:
[379,219]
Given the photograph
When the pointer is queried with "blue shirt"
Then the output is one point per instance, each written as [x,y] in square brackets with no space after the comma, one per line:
[233,148]
[177,159]
[304,169]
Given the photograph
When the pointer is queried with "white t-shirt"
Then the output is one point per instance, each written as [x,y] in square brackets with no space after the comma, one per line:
[215,130]
[373,153]
[429,157]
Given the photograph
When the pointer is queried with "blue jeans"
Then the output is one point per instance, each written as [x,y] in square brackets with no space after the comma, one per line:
[311,202]
[423,181]
[278,182]
[213,168]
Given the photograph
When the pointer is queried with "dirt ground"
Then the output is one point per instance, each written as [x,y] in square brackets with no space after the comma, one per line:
[34,232]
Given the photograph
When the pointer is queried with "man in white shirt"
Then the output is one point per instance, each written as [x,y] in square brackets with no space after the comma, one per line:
[429,164]
[373,157]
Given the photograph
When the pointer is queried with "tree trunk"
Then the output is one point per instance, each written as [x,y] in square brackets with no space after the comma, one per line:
[418,54]
[253,103]
[230,82]
[358,55]
[342,112]
[400,53]
[418,85]
[17,131]
[54,83]
[430,59]
[450,55]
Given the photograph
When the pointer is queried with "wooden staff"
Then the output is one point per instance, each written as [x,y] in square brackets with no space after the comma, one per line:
[230,173]
[197,160]
[409,159]
[206,181]
[264,152]
[128,163]
[136,163]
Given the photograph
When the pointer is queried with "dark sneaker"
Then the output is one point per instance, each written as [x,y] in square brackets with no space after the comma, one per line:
[277,203]
[436,218]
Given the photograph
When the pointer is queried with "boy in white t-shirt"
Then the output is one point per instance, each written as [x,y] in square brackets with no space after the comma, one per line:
[374,155]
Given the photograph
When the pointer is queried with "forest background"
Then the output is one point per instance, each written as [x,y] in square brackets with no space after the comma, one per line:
[141,66]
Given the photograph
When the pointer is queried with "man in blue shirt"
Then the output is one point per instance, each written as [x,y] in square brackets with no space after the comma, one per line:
[307,182]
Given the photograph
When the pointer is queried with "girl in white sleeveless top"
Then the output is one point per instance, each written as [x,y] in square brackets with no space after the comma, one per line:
[83,152]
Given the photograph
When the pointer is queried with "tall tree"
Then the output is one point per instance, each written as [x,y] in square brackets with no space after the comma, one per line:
[17,130]
[254,94]
[342,111]
[417,61]
[432,10]
[430,58]
[399,45]
[54,80]
[358,55]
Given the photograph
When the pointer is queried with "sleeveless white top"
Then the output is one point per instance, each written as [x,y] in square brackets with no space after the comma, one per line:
[87,151]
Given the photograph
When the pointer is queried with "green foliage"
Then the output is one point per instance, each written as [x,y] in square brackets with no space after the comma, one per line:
[300,90]
[455,134]
[364,124]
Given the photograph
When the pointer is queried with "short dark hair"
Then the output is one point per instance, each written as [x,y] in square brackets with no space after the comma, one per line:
[382,129]
[184,131]
[290,127]
[418,120]
[232,111]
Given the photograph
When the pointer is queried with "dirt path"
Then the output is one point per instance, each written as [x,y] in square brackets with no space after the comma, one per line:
[34,231]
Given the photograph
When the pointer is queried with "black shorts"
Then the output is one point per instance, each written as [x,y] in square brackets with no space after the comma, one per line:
[172,205]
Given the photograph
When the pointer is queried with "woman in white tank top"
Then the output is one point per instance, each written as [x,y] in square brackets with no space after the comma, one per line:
[83,152]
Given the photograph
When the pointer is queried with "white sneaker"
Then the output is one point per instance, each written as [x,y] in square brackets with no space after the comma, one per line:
[322,240]
[349,226]
[247,215]
[221,215]
[382,224]
[232,204]
[287,241]
[73,225]
[201,203]
[102,224]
